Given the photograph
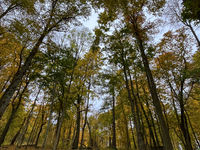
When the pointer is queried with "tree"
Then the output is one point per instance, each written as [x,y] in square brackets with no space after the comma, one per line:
[134,18]
[54,20]
[191,10]
[174,64]
[175,11]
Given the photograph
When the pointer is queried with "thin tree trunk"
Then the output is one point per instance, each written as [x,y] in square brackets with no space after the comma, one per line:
[74,133]
[152,120]
[195,35]
[114,130]
[63,136]
[135,146]
[36,143]
[17,134]
[33,129]
[6,83]
[35,134]
[50,115]
[184,124]
[42,124]
[76,140]
[22,134]
[128,146]
[90,134]
[140,139]
[193,130]
[65,103]
[57,124]
[83,128]
[69,135]
[10,8]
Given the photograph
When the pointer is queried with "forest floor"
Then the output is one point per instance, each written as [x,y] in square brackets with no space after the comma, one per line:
[13,147]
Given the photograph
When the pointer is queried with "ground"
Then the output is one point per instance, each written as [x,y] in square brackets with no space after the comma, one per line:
[12,147]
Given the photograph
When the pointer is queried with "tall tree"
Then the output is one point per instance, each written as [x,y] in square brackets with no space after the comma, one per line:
[55,19]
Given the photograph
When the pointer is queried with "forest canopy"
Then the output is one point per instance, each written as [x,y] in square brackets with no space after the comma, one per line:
[141,64]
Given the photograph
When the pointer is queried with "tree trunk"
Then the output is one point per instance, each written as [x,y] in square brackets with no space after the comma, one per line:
[85,121]
[36,143]
[69,135]
[114,130]
[65,103]
[5,99]
[109,138]
[34,127]
[135,146]
[184,125]
[63,136]
[22,134]
[128,146]
[5,131]
[17,134]
[10,8]
[184,128]
[42,124]
[76,140]
[73,137]
[140,139]
[14,110]
[152,120]
[153,91]
[57,125]
[192,130]
[50,116]
[195,35]
[90,134]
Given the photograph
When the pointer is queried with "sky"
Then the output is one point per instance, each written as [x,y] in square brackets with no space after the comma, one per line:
[92,22]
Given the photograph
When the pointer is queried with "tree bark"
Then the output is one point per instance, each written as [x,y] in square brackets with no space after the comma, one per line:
[127,134]
[152,86]
[135,146]
[140,139]
[152,120]
[17,134]
[85,121]
[195,35]
[14,110]
[193,130]
[65,103]
[36,143]
[76,140]
[42,124]
[22,134]
[90,134]
[5,99]
[184,124]
[33,129]
[113,121]
[69,135]
[50,115]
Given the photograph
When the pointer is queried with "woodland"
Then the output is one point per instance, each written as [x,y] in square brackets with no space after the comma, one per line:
[141,65]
